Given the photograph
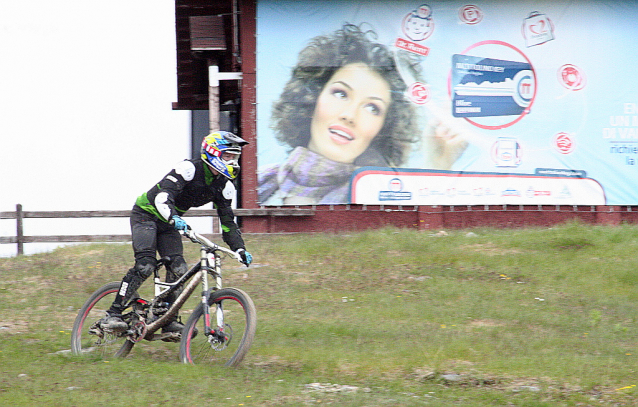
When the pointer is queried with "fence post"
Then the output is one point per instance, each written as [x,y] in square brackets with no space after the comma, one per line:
[19,229]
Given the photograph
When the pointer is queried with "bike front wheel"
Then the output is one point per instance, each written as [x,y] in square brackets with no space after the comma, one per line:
[85,339]
[226,346]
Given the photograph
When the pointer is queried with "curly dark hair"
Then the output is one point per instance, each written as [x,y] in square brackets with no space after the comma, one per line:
[318,61]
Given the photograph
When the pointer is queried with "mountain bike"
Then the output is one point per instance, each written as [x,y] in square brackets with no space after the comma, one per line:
[221,328]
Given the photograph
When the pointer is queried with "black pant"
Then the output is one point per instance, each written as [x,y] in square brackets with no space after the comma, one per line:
[150,235]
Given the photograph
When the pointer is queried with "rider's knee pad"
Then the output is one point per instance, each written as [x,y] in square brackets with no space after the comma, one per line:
[178,265]
[144,267]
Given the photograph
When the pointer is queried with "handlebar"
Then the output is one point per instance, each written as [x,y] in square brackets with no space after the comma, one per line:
[199,239]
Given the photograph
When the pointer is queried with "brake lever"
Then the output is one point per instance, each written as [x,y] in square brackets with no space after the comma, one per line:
[189,234]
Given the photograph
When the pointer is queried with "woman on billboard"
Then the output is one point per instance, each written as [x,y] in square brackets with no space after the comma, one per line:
[343,107]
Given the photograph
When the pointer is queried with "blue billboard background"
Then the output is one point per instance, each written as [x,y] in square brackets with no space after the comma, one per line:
[515,86]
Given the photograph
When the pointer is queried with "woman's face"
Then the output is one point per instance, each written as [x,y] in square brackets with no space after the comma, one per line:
[350,112]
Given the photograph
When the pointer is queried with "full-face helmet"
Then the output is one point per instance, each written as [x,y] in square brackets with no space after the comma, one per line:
[221,151]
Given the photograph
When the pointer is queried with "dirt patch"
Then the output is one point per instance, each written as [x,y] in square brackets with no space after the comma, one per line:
[491,249]
[13,327]
[480,323]
[272,363]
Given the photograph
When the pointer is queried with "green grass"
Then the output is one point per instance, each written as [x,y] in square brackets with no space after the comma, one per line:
[496,317]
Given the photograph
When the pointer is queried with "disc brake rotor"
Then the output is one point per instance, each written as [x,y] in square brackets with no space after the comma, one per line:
[220,340]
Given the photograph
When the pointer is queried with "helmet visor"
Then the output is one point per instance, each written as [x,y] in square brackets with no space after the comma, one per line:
[230,157]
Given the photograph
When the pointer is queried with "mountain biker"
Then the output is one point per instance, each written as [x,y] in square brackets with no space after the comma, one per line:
[156,219]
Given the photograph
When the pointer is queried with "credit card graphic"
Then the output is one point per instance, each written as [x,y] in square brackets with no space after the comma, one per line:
[490,87]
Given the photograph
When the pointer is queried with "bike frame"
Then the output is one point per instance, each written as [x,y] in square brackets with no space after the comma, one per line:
[210,263]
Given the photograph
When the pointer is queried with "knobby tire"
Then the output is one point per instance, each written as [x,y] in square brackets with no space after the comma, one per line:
[239,314]
[94,309]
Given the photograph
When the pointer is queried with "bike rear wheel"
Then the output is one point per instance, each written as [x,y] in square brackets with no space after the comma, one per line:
[105,345]
[240,320]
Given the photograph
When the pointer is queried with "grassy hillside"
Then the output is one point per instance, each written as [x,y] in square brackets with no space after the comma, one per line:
[481,317]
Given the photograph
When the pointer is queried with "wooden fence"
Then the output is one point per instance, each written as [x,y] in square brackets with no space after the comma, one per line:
[19,215]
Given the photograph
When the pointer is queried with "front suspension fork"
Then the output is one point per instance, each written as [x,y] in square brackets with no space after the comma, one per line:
[214,261]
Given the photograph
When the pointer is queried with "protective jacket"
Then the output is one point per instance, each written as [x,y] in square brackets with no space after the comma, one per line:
[192,184]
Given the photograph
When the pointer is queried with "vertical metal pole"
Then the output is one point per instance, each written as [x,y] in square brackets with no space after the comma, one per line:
[213,97]
[19,229]
[213,111]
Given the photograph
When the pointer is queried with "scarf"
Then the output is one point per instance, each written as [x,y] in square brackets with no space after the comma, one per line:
[306,174]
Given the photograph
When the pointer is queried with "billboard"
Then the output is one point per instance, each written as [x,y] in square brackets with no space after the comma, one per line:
[447,102]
